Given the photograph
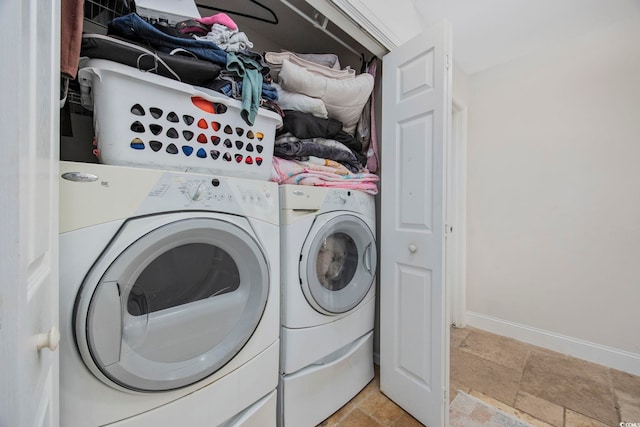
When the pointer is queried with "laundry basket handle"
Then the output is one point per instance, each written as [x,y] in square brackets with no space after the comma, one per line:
[91,69]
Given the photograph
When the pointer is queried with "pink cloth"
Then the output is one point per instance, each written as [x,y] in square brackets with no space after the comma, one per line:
[219,18]
[293,172]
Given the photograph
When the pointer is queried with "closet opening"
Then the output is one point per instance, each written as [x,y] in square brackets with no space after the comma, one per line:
[270,25]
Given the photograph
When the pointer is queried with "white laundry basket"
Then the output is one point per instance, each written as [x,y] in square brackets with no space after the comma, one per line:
[145,120]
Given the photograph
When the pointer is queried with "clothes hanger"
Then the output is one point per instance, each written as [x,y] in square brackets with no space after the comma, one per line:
[258,18]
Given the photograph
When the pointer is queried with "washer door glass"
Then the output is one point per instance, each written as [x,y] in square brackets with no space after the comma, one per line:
[176,305]
[338,263]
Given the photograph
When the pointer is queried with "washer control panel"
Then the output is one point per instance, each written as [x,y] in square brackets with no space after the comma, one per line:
[304,198]
[350,200]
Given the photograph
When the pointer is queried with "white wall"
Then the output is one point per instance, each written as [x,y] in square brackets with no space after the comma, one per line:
[553,203]
[460,86]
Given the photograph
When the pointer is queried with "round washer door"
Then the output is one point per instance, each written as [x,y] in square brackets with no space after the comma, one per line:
[174,307]
[338,263]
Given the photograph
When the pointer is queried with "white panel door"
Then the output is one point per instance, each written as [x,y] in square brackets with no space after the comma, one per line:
[29,123]
[414,351]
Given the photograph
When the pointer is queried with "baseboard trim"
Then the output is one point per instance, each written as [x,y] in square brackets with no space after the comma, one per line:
[592,352]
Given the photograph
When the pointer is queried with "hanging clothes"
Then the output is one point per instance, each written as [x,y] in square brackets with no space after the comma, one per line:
[71,19]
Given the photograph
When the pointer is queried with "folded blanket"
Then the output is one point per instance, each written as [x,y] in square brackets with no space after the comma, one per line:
[299,150]
[306,125]
[293,172]
[327,165]
[291,147]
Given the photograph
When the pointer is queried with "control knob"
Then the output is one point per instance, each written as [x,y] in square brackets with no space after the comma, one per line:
[196,192]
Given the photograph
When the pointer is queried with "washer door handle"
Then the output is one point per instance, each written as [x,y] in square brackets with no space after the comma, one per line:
[367,258]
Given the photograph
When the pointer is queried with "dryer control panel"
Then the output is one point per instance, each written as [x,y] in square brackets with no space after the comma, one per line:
[179,191]
[93,193]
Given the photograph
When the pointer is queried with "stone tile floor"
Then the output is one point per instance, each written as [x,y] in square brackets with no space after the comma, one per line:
[542,387]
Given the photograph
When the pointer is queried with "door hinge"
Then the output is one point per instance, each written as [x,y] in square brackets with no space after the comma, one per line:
[445,396]
[447,61]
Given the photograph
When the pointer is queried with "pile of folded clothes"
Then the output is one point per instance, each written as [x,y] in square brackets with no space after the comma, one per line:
[322,106]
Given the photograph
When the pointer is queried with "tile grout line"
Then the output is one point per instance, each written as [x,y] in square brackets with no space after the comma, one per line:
[616,404]
[529,351]
[526,360]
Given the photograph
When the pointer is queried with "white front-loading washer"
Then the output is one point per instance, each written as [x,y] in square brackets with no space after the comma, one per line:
[328,267]
[169,298]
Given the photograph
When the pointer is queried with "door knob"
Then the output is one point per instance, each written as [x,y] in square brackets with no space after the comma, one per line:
[49,340]
[413,248]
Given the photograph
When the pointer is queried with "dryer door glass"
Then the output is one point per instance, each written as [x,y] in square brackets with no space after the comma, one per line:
[181,275]
[176,305]
[338,263]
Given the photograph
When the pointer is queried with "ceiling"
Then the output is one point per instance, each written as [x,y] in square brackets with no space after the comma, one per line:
[490,32]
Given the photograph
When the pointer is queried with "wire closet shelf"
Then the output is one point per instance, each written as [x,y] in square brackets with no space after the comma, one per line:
[101,12]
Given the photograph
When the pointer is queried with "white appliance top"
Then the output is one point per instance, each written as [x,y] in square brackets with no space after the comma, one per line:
[319,200]
[92,194]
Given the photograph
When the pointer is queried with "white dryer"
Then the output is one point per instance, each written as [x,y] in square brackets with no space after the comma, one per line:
[169,298]
[328,267]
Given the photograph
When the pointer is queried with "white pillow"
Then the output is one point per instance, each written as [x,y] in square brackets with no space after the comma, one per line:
[344,98]
[330,60]
[275,59]
[299,102]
